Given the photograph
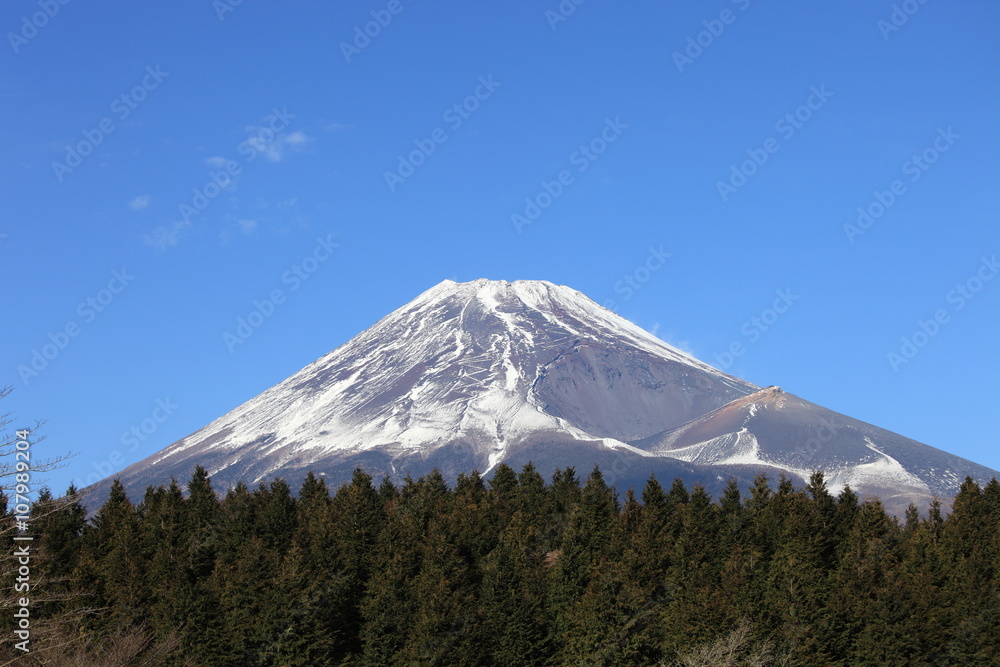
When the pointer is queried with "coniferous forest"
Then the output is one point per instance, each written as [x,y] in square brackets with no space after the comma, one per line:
[513,571]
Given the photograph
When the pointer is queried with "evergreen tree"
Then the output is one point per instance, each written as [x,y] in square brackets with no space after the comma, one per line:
[346,549]
[387,491]
[586,541]
[111,568]
[443,593]
[503,491]
[648,544]
[57,525]
[968,548]
[164,541]
[565,495]
[520,572]
[511,599]
[198,595]
[534,501]
[276,514]
[611,624]
[693,581]
[677,495]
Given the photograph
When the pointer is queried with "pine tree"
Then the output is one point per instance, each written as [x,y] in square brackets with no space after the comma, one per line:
[276,514]
[512,601]
[164,541]
[859,620]
[314,497]
[968,547]
[525,573]
[732,515]
[58,525]
[388,607]
[473,520]
[534,498]
[387,491]
[693,578]
[817,490]
[652,493]
[443,594]
[796,596]
[611,623]
[250,602]
[314,593]
[197,596]
[991,496]
[586,541]
[565,496]
[677,495]
[348,549]
[111,567]
[504,492]
[649,543]
[912,518]
[201,524]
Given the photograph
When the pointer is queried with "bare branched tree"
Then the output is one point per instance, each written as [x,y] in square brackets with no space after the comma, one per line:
[8,463]
[737,649]
[134,647]
[49,636]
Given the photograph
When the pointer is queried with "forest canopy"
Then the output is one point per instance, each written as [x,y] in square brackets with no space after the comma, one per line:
[516,570]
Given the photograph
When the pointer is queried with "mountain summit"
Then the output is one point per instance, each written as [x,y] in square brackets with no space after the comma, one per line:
[471,374]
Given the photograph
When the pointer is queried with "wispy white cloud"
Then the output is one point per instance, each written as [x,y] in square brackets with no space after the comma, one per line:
[668,338]
[276,148]
[247,226]
[139,203]
[216,162]
[166,236]
[297,139]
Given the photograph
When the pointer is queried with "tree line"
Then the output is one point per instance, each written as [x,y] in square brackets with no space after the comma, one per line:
[512,571]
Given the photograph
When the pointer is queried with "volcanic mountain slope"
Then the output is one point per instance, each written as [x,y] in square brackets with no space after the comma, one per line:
[471,374]
[777,430]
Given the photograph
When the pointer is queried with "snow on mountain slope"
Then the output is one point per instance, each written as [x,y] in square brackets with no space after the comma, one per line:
[484,363]
[471,374]
[776,430]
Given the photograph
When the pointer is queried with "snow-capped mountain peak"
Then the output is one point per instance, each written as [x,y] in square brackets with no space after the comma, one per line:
[471,374]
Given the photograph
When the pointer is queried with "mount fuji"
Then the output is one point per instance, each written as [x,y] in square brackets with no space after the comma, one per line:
[469,375]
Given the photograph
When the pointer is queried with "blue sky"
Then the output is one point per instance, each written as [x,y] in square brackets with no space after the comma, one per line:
[167,169]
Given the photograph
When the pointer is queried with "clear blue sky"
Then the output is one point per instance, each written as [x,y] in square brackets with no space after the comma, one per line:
[116,113]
